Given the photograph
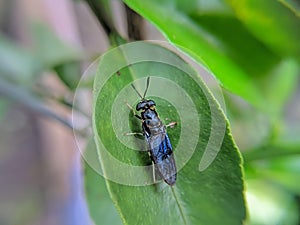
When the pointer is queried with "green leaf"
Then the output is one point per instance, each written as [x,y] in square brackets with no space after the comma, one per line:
[272,23]
[269,204]
[58,55]
[283,171]
[209,187]
[279,86]
[207,35]
[50,49]
[100,205]
[236,50]
[69,73]
[293,5]
[272,184]
[17,64]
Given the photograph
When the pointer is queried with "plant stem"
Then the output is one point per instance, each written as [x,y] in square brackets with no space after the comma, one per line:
[102,12]
[134,24]
[22,96]
[271,151]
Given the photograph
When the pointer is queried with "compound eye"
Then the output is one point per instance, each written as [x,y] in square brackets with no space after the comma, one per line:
[151,103]
[140,105]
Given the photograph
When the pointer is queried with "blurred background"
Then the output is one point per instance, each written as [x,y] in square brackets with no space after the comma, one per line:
[45,46]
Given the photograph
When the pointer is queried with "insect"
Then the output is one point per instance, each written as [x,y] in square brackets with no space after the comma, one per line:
[158,142]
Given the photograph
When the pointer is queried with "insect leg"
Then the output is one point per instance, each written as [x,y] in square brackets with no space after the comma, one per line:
[130,107]
[134,133]
[153,172]
[171,125]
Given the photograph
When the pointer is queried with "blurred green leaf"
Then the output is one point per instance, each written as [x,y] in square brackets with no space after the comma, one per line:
[283,171]
[279,86]
[214,35]
[278,164]
[269,204]
[272,23]
[57,55]
[293,5]
[237,44]
[250,127]
[17,64]
[4,104]
[182,28]
[272,151]
[50,49]
[253,128]
[49,52]
[216,192]
[272,184]
[69,73]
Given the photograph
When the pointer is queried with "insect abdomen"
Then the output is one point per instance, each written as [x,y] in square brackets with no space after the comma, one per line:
[162,155]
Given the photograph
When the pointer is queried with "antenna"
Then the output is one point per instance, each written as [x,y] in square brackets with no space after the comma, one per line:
[136,91]
[147,85]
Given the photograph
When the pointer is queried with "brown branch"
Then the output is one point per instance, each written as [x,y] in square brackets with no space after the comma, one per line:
[135,24]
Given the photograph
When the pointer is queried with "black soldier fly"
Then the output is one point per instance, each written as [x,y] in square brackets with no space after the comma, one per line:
[158,142]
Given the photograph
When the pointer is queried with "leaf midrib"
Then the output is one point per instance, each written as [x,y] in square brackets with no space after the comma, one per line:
[179,206]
